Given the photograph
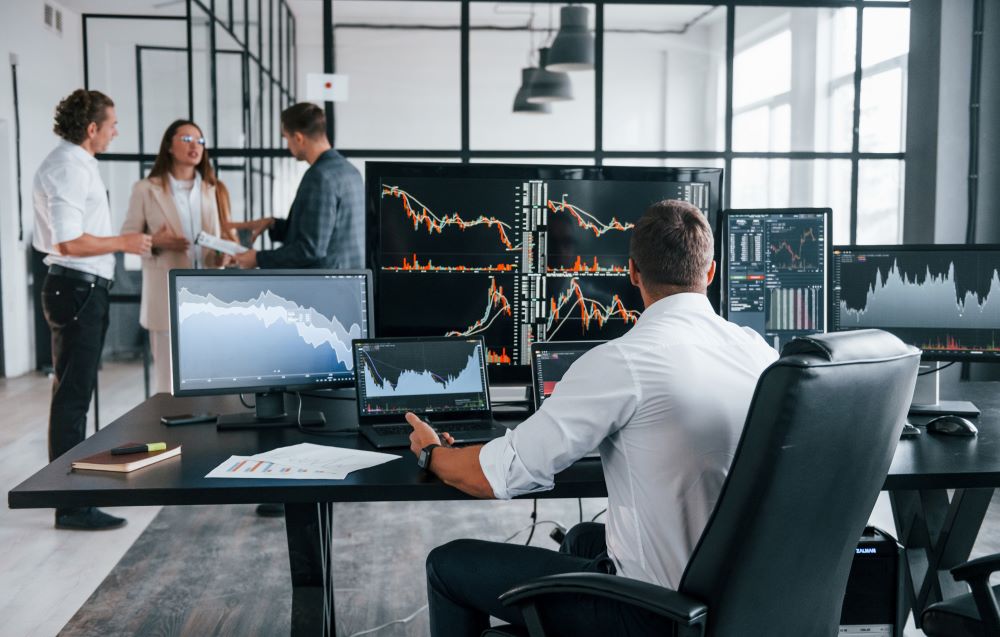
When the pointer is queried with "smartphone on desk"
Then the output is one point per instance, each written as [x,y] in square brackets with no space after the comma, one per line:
[188,419]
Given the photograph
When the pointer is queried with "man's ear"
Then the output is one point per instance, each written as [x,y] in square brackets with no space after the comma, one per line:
[91,130]
[711,273]
[633,272]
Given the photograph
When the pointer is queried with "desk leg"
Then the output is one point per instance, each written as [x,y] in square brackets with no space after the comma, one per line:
[938,534]
[309,530]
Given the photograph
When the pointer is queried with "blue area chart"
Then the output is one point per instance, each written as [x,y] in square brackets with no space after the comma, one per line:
[894,300]
[425,382]
[267,337]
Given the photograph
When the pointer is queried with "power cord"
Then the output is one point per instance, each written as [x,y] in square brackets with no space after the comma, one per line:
[534,518]
[936,369]
[405,620]
[599,514]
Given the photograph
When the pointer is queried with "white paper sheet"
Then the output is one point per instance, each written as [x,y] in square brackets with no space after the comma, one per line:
[213,242]
[246,467]
[334,460]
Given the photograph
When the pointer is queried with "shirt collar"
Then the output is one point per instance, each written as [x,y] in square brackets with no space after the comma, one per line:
[682,302]
[78,152]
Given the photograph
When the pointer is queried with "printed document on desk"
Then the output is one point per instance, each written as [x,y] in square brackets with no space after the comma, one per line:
[335,460]
[246,467]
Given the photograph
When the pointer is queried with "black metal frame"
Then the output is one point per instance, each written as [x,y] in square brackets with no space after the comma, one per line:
[598,155]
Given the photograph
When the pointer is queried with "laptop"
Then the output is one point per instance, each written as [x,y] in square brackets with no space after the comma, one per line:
[441,379]
[549,362]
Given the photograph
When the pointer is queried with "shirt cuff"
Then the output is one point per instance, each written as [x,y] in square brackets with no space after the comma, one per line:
[495,458]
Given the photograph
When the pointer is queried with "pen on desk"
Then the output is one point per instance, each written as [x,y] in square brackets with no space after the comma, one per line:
[153,446]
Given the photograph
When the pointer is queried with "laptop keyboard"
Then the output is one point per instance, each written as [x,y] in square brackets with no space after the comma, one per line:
[456,427]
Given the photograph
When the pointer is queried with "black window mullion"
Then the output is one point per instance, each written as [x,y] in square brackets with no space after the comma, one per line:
[856,130]
[599,84]
[464,45]
[727,176]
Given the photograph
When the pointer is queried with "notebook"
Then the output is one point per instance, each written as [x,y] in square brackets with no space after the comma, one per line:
[104,461]
[441,379]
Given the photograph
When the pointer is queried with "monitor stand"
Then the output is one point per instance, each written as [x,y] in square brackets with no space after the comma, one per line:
[927,397]
[269,413]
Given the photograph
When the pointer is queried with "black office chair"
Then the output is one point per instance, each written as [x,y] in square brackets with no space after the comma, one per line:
[776,553]
[974,614]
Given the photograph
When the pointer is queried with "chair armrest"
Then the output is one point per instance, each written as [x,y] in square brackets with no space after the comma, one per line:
[676,607]
[977,568]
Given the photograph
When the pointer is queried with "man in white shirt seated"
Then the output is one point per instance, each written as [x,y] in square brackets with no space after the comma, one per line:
[665,406]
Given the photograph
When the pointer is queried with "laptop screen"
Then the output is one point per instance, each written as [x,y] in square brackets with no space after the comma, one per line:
[549,362]
[422,375]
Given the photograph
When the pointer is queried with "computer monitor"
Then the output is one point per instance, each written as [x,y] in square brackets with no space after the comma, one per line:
[550,362]
[774,270]
[514,253]
[935,297]
[265,332]
[434,375]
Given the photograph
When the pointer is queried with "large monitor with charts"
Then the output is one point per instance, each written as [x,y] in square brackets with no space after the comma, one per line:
[774,270]
[939,298]
[514,253]
[265,331]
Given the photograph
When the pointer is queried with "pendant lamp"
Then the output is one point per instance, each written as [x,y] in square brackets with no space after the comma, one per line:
[521,103]
[573,48]
[548,86]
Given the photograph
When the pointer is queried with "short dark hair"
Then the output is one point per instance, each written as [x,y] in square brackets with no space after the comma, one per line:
[77,110]
[672,244]
[305,118]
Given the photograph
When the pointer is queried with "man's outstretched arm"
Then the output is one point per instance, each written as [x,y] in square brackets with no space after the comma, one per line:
[457,468]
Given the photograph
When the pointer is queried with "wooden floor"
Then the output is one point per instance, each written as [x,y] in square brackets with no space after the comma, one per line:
[221,570]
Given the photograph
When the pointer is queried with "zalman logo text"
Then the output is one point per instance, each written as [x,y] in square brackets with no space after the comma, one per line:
[863,551]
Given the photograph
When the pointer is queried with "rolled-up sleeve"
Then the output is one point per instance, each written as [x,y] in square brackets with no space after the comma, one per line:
[66,187]
[595,398]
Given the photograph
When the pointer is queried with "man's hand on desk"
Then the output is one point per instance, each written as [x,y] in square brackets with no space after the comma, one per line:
[246,260]
[424,435]
[458,468]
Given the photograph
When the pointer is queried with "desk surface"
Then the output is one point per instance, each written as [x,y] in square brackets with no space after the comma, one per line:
[181,480]
[926,462]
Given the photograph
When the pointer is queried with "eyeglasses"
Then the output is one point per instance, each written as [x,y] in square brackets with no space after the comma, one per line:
[187,139]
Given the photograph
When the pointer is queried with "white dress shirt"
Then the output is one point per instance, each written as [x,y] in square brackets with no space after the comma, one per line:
[187,199]
[70,200]
[665,405]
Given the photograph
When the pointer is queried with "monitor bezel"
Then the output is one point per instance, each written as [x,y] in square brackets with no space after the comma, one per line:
[376,170]
[257,389]
[724,242]
[384,418]
[919,247]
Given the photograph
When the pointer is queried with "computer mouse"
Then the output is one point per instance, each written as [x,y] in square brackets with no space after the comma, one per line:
[952,425]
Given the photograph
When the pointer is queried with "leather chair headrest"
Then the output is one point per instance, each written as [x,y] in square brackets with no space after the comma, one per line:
[851,346]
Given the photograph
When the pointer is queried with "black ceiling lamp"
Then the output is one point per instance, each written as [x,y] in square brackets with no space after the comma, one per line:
[573,48]
[521,103]
[548,86]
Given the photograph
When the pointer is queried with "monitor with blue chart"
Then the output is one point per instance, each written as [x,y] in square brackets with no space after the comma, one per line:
[944,299]
[265,332]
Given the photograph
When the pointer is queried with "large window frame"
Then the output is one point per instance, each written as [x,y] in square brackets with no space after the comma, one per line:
[599,154]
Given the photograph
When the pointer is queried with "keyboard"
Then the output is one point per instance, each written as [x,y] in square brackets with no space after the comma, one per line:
[455,427]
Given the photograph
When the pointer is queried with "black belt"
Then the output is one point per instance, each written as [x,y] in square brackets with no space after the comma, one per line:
[70,273]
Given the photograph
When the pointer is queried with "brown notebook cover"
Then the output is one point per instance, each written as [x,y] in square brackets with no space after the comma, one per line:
[104,461]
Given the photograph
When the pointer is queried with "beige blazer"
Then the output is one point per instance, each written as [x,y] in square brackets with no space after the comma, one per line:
[149,208]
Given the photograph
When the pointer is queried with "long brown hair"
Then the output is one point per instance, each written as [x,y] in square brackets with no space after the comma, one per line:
[165,161]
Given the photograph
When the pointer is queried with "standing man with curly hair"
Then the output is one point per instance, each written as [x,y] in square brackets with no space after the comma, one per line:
[73,227]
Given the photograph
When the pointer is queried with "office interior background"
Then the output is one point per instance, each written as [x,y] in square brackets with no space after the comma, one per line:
[860,106]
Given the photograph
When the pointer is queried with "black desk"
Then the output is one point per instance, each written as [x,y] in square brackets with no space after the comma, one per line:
[308,503]
[938,531]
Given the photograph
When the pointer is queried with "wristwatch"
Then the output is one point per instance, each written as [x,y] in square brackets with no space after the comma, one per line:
[424,459]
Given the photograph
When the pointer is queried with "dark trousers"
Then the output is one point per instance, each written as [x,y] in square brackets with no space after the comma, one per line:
[465,579]
[77,314]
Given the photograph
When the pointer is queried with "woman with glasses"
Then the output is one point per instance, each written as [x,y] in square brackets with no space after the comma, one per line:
[177,201]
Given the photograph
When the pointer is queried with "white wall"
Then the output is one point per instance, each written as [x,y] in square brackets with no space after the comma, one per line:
[49,67]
